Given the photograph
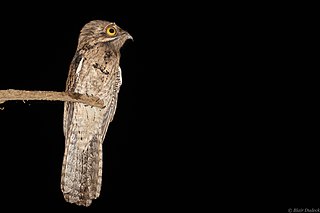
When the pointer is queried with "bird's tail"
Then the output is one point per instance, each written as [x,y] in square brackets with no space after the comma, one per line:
[82,172]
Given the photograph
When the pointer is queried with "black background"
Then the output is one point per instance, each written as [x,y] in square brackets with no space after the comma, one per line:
[212,109]
[146,145]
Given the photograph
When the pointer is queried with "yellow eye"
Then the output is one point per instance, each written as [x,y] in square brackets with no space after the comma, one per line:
[111,31]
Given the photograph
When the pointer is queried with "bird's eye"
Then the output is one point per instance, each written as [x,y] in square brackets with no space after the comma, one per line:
[111,31]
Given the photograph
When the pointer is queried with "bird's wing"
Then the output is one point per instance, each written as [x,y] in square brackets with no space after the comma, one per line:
[74,68]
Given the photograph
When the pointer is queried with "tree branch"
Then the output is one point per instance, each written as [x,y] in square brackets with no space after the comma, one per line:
[10,94]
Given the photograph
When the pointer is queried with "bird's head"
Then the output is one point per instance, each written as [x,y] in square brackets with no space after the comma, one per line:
[99,31]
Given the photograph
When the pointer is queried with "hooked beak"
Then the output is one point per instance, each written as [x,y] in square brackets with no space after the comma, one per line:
[129,36]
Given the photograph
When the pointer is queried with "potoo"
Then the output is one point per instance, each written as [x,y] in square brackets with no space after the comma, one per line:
[94,71]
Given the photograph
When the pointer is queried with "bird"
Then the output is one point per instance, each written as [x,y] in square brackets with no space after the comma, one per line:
[94,71]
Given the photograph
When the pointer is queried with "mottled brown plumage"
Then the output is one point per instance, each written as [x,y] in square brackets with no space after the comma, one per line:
[94,71]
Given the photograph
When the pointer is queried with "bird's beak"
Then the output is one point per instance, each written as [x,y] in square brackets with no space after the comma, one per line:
[129,36]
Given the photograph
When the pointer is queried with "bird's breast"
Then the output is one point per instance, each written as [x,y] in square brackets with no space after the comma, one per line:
[95,79]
